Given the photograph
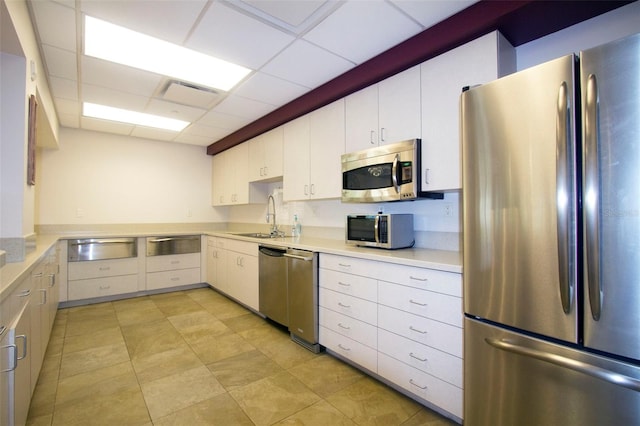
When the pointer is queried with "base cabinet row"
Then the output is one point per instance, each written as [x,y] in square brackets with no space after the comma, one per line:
[401,323]
[26,320]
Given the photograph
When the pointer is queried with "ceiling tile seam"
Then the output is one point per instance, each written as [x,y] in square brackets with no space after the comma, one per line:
[406,15]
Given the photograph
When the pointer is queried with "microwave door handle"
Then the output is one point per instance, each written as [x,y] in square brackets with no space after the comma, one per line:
[394,173]
[376,227]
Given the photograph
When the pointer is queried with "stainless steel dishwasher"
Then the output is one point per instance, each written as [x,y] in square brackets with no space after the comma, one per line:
[289,292]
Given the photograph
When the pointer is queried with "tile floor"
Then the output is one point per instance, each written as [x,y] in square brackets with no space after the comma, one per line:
[196,358]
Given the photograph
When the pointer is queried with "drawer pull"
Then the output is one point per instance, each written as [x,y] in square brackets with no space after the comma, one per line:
[344,284]
[104,268]
[343,326]
[418,279]
[175,262]
[417,385]
[105,287]
[25,293]
[343,348]
[175,278]
[412,328]
[344,265]
[414,356]
[417,303]
[343,305]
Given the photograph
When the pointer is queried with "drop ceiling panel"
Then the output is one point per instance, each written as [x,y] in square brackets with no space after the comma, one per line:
[233,36]
[361,29]
[113,98]
[63,88]
[173,110]
[244,107]
[56,24]
[60,63]
[168,20]
[215,118]
[194,139]
[269,89]
[119,77]
[156,134]
[307,64]
[429,13]
[106,126]
[290,12]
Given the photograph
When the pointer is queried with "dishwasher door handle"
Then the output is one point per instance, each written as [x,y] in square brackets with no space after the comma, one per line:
[296,256]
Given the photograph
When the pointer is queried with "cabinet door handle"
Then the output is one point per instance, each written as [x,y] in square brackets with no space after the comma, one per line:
[52,280]
[14,348]
[382,134]
[25,293]
[412,328]
[372,137]
[313,189]
[44,292]
[426,176]
[306,190]
[343,347]
[266,171]
[414,356]
[417,385]
[24,347]
[417,303]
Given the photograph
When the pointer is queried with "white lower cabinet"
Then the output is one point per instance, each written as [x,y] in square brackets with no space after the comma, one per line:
[234,270]
[401,323]
[172,270]
[98,278]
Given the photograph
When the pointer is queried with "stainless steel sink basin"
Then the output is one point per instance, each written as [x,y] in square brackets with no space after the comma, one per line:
[256,235]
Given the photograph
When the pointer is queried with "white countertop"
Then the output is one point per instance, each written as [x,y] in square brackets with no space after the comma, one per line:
[450,261]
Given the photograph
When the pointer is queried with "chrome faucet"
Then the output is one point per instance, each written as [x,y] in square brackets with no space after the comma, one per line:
[274,227]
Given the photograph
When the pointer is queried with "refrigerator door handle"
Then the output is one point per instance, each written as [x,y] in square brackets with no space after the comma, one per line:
[563,197]
[591,197]
[572,364]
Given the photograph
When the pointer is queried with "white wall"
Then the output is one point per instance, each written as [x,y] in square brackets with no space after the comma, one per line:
[97,178]
[602,29]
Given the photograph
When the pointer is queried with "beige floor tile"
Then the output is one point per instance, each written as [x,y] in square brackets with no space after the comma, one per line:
[90,325]
[44,398]
[205,294]
[139,316]
[214,349]
[44,420]
[224,308]
[80,342]
[242,369]
[274,398]
[132,304]
[126,407]
[245,322]
[369,402]
[198,325]
[426,417]
[286,353]
[319,414]
[151,337]
[172,393]
[101,381]
[264,334]
[221,410]
[326,375]
[175,303]
[92,359]
[161,364]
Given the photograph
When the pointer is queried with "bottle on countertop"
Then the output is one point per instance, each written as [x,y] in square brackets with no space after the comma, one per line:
[296,229]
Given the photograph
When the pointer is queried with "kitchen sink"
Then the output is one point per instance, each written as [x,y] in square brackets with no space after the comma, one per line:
[257,235]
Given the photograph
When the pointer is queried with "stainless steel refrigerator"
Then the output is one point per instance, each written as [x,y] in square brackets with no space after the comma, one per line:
[551,212]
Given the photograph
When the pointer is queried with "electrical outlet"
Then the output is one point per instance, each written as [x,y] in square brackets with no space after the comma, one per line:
[79,212]
[448,210]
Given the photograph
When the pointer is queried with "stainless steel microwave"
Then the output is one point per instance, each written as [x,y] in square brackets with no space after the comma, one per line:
[389,231]
[385,173]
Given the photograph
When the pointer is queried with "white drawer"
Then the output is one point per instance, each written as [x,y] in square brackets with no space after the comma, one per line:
[166,279]
[436,334]
[241,247]
[427,279]
[437,363]
[350,349]
[102,268]
[173,261]
[353,307]
[350,265]
[360,331]
[98,287]
[438,392]
[353,285]
[437,306]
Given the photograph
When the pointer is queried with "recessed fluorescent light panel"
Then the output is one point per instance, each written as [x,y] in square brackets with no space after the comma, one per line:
[117,44]
[132,117]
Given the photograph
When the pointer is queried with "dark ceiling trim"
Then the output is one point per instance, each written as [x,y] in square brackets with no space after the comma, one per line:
[519,21]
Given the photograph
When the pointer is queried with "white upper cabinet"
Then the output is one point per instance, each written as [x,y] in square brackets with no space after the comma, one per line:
[230,178]
[384,113]
[265,156]
[313,145]
[443,77]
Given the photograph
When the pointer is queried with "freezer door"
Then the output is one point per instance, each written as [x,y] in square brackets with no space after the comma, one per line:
[611,103]
[511,379]
[519,211]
